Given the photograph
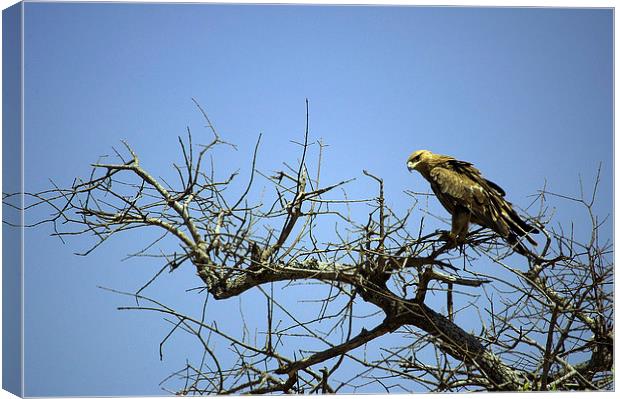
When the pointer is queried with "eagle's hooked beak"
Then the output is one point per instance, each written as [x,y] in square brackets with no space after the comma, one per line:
[411,165]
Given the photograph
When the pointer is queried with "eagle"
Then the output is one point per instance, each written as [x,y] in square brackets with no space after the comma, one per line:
[470,198]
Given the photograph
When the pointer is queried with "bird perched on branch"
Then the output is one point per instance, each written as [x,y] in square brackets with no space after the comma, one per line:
[470,198]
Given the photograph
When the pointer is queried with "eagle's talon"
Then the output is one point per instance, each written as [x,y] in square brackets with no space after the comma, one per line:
[447,236]
[452,241]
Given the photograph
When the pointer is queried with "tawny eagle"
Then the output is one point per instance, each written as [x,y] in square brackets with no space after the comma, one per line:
[469,197]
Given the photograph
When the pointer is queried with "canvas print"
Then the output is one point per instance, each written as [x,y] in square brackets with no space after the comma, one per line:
[227,199]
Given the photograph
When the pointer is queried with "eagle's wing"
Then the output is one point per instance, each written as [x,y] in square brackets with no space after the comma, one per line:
[462,185]
[459,186]
[474,174]
[495,187]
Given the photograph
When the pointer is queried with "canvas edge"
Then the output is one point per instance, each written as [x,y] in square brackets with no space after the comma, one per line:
[12,182]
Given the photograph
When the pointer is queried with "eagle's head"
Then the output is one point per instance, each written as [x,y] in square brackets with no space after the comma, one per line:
[418,159]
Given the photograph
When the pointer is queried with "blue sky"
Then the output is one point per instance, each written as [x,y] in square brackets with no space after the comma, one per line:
[525,94]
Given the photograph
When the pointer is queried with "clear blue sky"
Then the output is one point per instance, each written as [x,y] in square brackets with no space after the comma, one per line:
[525,94]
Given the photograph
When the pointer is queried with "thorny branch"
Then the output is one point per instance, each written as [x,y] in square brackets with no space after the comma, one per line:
[548,327]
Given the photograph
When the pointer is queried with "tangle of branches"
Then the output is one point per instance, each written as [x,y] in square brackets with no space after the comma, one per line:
[542,321]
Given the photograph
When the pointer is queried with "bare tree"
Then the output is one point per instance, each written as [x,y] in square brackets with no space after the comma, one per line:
[542,321]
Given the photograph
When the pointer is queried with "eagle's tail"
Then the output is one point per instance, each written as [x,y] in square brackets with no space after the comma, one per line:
[515,242]
[519,227]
